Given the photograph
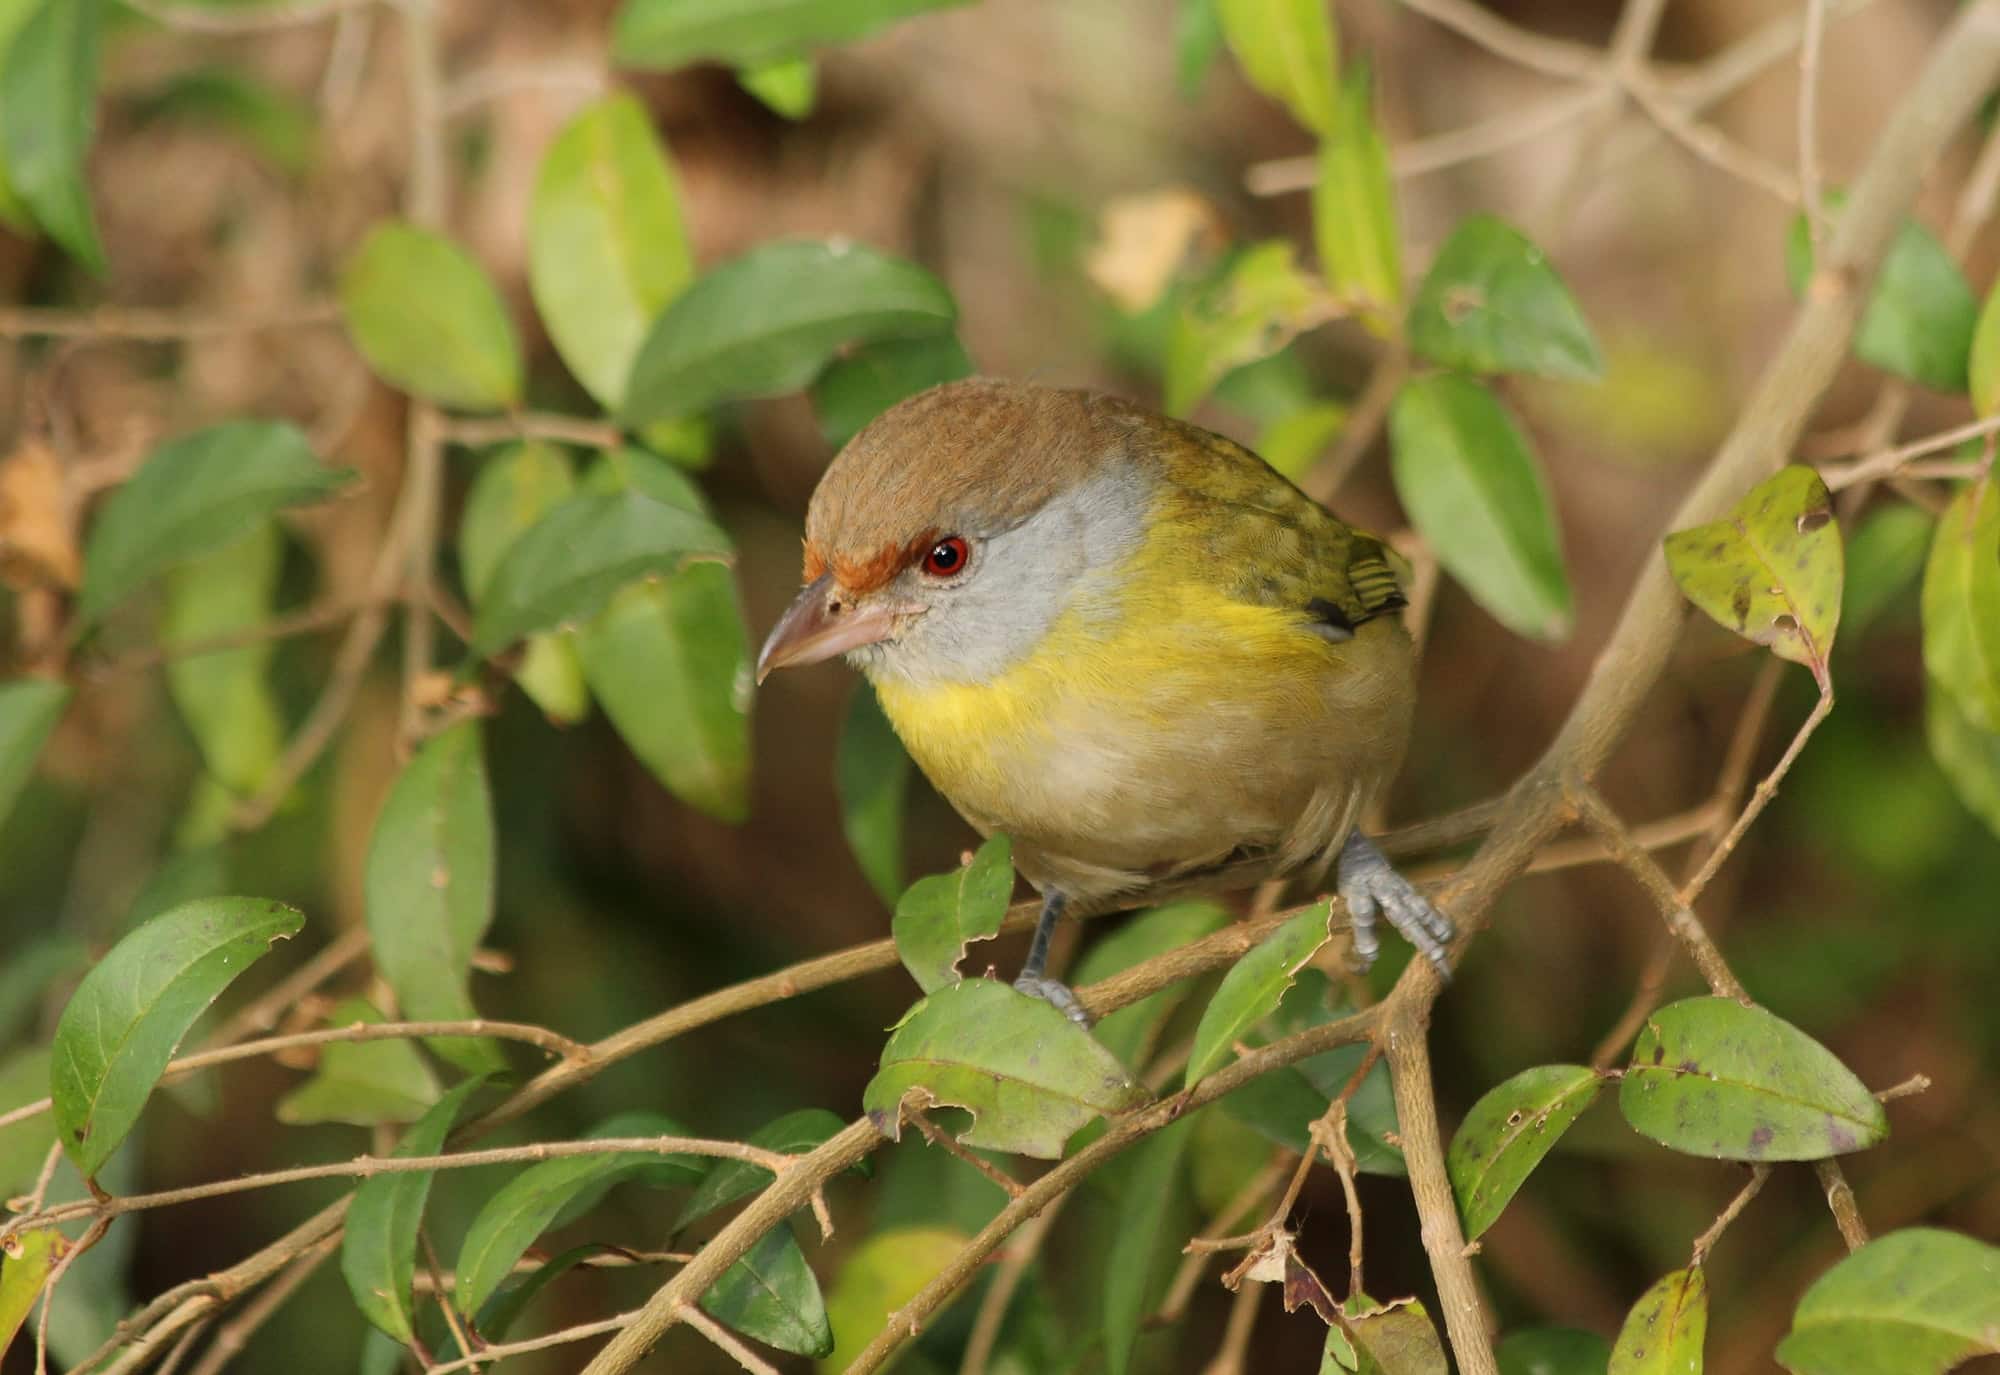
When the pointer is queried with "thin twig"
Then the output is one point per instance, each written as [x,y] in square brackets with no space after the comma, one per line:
[1201,1247]
[946,1142]
[475,432]
[301,622]
[500,1351]
[1809,64]
[1714,147]
[1760,799]
[1511,43]
[445,1305]
[727,1340]
[1889,461]
[140,324]
[582,80]
[234,1335]
[1006,1279]
[1705,1243]
[1243,1310]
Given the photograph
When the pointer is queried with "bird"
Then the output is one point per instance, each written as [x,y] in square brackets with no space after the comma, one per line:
[1124,641]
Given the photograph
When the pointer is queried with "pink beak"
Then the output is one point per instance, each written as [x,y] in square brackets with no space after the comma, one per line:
[822,622]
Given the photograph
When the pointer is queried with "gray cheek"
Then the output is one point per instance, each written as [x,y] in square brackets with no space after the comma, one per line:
[1020,582]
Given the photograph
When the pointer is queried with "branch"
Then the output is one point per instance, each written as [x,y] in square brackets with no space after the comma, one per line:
[140,324]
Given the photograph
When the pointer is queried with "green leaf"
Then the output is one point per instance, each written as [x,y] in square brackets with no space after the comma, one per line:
[540,1196]
[1883,558]
[1252,988]
[881,1275]
[1771,569]
[26,1258]
[787,86]
[24,1145]
[29,710]
[729,1180]
[943,913]
[748,33]
[862,384]
[1354,209]
[1663,1333]
[1962,602]
[1919,323]
[1714,1078]
[669,660]
[1492,303]
[126,1019]
[1259,304]
[1552,1351]
[515,488]
[362,1083]
[1475,491]
[1915,1302]
[429,321]
[769,321]
[1968,756]
[1312,1083]
[1294,442]
[429,887]
[607,246]
[513,1297]
[1983,366]
[1149,1194]
[1197,40]
[14,212]
[1028,1074]
[1128,1033]
[1288,50]
[567,566]
[33,967]
[192,496]
[226,696]
[872,776]
[378,1256]
[1508,1131]
[770,1294]
[48,116]
[1394,1339]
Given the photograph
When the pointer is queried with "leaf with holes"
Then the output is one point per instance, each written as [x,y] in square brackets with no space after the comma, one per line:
[942,914]
[1492,303]
[771,1294]
[1288,50]
[1665,1329]
[769,321]
[362,1083]
[1771,569]
[1354,209]
[1915,1302]
[378,1256]
[126,1019]
[872,776]
[514,488]
[740,33]
[429,320]
[1961,602]
[48,117]
[429,886]
[1261,302]
[1398,1338]
[1920,319]
[29,710]
[1029,1075]
[1252,988]
[1508,1132]
[1552,1351]
[728,1180]
[26,1258]
[1712,1077]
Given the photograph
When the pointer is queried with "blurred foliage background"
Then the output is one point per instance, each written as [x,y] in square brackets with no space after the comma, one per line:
[234,174]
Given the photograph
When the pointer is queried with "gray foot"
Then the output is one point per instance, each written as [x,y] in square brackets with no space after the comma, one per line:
[1056,993]
[1371,887]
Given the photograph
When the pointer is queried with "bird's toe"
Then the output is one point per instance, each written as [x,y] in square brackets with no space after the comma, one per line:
[1058,994]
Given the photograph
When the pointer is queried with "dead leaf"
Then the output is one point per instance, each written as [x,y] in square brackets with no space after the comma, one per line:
[37,545]
[1147,240]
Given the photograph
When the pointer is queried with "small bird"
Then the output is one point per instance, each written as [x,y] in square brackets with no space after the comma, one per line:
[1124,641]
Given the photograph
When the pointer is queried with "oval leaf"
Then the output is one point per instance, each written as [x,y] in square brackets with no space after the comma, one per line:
[226,697]
[1288,51]
[574,558]
[1253,987]
[1968,756]
[378,1256]
[1129,1032]
[126,1019]
[1354,209]
[1028,1074]
[670,662]
[192,496]
[881,1275]
[429,321]
[1258,306]
[541,1195]
[362,1083]
[1508,1131]
[515,488]
[429,886]
[1664,1332]
[771,1294]
[607,248]
[29,710]
[748,33]
[861,385]
[1915,1302]
[1983,367]
[1883,558]
[942,914]
[1151,1189]
[1771,569]
[48,116]
[1492,303]
[1714,1078]
[872,775]
[1919,322]
[729,1180]
[769,321]
[1475,491]
[1552,1351]
[1962,603]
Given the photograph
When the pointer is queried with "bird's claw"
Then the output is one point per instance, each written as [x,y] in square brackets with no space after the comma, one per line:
[1056,993]
[1371,887]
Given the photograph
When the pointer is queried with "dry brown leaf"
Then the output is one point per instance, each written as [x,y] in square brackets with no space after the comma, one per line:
[1147,240]
[37,545]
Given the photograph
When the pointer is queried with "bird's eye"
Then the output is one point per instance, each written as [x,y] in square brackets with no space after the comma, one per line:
[947,558]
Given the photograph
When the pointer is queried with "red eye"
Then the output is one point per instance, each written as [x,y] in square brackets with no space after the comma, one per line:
[947,558]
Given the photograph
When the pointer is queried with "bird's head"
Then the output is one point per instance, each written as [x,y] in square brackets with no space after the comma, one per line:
[949,535]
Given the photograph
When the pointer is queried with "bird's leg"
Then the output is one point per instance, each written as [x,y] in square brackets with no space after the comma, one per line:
[1033,981]
[1370,886]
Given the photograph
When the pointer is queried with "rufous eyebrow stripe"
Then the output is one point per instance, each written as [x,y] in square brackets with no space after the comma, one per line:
[867,573]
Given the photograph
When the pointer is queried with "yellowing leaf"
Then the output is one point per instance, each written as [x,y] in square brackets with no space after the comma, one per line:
[1962,603]
[1664,1332]
[1354,210]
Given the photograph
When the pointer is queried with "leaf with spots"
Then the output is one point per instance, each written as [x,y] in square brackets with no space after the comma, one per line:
[941,914]
[1371,1338]
[1508,1132]
[1915,1302]
[1712,1077]
[1029,1075]
[1771,569]
[1491,303]
[1252,989]
[126,1019]
[1961,603]
[1663,1333]
[26,1259]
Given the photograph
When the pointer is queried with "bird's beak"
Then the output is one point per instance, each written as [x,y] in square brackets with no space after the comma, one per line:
[820,624]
